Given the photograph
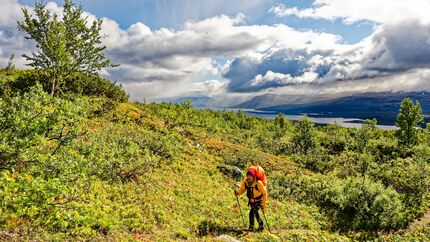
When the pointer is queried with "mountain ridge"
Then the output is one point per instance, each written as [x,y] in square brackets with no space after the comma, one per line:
[382,106]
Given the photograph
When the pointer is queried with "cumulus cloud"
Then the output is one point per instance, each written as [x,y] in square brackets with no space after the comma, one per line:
[273,79]
[392,49]
[161,89]
[174,55]
[412,80]
[352,11]
[11,40]
[208,88]
[11,11]
[399,47]
[277,67]
[168,55]
[260,58]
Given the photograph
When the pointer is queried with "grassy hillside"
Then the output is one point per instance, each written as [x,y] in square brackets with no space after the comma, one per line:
[91,166]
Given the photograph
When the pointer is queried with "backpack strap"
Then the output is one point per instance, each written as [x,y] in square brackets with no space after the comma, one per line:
[250,192]
[256,183]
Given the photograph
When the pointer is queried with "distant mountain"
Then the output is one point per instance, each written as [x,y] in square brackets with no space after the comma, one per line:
[220,101]
[270,100]
[382,106]
[198,101]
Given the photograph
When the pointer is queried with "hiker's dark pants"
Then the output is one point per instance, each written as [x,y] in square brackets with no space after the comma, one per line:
[254,213]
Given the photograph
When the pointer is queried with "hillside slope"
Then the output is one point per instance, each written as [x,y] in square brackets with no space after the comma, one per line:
[190,198]
[90,169]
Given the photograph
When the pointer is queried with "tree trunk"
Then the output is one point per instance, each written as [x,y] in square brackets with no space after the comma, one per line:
[53,87]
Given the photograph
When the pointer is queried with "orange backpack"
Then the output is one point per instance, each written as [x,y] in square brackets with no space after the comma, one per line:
[260,174]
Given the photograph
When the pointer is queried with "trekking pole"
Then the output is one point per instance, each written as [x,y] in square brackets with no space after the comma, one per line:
[240,210]
[268,226]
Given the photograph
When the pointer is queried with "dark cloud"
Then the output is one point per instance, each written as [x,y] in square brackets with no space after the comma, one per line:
[399,47]
[391,50]
[294,63]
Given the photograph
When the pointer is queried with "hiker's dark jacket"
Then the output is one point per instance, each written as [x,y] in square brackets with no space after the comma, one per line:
[257,191]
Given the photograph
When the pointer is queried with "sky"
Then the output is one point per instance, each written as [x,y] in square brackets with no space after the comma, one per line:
[233,50]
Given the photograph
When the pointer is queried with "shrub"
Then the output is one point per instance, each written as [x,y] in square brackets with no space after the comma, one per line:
[95,86]
[28,120]
[383,149]
[78,83]
[304,137]
[315,160]
[116,154]
[368,131]
[207,227]
[409,117]
[361,204]
[335,139]
[409,177]
[353,203]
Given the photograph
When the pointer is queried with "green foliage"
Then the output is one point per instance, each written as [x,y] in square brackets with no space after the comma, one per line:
[335,139]
[410,177]
[243,121]
[362,204]
[425,135]
[76,84]
[93,85]
[281,125]
[32,119]
[315,161]
[355,203]
[50,208]
[422,233]
[410,116]
[384,148]
[64,46]
[108,155]
[5,90]
[137,171]
[368,131]
[187,104]
[207,227]
[10,66]
[304,137]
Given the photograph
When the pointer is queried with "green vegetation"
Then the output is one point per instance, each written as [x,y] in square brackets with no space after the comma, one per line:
[86,164]
[410,116]
[64,46]
[77,84]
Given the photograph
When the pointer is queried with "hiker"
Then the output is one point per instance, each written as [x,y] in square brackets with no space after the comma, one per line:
[257,195]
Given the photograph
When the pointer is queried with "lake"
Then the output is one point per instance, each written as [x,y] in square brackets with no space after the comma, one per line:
[344,122]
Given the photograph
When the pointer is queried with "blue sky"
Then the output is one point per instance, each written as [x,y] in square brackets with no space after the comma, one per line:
[233,50]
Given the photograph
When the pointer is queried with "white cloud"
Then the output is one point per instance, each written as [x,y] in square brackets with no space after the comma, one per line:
[11,40]
[352,11]
[392,50]
[412,80]
[207,88]
[260,58]
[11,11]
[179,56]
[273,79]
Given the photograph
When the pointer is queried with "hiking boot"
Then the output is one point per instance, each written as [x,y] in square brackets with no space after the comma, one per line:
[260,227]
[250,229]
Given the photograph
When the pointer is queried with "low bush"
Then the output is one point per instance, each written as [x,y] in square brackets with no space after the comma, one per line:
[354,203]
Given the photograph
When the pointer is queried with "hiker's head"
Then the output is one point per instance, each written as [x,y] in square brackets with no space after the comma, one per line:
[250,175]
